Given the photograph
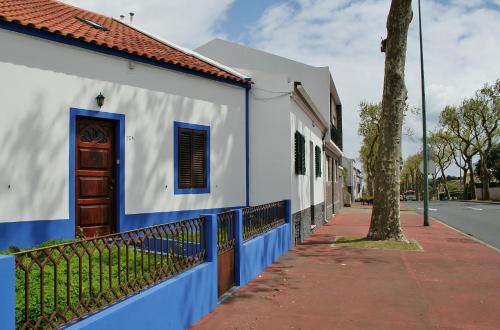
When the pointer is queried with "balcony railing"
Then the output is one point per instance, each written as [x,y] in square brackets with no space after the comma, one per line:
[333,133]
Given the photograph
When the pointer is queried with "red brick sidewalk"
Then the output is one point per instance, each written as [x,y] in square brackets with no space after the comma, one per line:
[453,284]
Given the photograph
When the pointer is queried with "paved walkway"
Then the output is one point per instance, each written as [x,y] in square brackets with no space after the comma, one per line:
[453,284]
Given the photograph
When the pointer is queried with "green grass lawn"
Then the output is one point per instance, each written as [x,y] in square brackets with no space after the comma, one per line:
[76,280]
[365,243]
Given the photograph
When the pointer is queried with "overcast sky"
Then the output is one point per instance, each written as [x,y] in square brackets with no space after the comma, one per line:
[461,43]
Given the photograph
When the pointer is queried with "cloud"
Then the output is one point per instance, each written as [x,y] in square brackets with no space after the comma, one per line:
[189,23]
[461,47]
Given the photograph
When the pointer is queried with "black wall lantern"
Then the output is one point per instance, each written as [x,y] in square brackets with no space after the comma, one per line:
[100,99]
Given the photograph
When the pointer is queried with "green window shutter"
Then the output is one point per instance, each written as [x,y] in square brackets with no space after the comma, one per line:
[303,154]
[300,154]
[297,151]
[317,155]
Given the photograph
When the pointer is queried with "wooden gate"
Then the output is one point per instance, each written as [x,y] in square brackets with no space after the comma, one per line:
[225,246]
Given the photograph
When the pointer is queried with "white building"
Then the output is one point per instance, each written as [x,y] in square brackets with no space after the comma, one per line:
[295,132]
[167,143]
[354,179]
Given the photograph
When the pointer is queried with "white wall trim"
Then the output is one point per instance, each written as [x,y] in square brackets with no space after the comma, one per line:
[329,145]
[301,97]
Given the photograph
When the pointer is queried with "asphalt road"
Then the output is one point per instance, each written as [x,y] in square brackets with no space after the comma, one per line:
[476,219]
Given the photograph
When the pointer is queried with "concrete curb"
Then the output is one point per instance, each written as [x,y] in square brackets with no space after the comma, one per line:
[483,202]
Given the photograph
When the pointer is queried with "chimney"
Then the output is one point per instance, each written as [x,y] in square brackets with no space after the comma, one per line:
[122,17]
[131,17]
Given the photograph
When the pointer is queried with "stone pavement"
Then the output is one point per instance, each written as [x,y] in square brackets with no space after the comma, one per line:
[453,284]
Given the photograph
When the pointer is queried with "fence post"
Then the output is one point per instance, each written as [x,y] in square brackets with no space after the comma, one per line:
[289,222]
[8,290]
[211,246]
[238,221]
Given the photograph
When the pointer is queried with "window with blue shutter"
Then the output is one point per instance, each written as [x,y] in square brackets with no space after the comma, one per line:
[192,158]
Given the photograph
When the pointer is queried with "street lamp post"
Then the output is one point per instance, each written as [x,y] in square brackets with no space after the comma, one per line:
[424,124]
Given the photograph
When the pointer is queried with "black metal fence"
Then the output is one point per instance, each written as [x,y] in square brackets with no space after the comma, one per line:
[262,218]
[226,239]
[62,283]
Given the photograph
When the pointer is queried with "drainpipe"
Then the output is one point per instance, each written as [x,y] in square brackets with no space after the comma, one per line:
[247,145]
[324,173]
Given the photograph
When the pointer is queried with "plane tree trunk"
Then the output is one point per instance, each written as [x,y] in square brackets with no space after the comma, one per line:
[385,220]
[472,184]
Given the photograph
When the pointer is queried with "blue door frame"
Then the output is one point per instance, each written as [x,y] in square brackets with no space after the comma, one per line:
[120,155]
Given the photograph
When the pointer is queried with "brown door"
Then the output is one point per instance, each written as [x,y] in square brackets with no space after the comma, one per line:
[226,241]
[95,177]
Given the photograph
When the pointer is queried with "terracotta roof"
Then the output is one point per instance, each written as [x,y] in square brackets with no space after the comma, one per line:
[66,20]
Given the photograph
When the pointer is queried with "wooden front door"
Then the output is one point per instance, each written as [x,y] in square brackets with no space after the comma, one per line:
[95,177]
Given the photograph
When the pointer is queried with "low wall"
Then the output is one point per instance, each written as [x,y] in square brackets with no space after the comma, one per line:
[258,253]
[7,292]
[174,304]
[180,301]
[494,193]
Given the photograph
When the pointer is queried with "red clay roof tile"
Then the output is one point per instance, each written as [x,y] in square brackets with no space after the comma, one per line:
[60,18]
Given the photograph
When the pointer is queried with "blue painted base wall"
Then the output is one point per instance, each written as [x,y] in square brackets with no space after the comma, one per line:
[25,234]
[28,233]
[7,292]
[180,301]
[174,304]
[258,253]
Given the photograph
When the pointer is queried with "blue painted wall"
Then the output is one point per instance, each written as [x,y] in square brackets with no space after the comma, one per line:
[28,233]
[7,292]
[180,301]
[174,304]
[258,253]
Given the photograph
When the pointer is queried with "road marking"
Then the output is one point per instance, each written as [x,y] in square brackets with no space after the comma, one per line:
[421,208]
[473,208]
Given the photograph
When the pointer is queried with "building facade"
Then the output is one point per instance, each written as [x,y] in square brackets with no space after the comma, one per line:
[295,133]
[354,179]
[164,140]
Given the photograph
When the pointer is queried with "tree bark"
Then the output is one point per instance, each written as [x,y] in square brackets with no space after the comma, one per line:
[445,183]
[485,179]
[385,220]
[472,184]
[464,184]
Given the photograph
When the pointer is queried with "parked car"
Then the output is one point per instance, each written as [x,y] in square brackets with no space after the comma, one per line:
[410,195]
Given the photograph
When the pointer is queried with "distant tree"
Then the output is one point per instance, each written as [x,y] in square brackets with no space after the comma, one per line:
[492,164]
[411,175]
[369,129]
[460,139]
[494,160]
[385,220]
[484,113]
[442,154]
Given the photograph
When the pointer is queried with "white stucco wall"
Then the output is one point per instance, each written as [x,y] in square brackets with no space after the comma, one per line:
[272,139]
[301,184]
[40,80]
[316,80]
[269,137]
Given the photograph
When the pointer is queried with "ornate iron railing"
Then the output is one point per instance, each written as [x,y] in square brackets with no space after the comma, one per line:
[62,283]
[262,218]
[225,232]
